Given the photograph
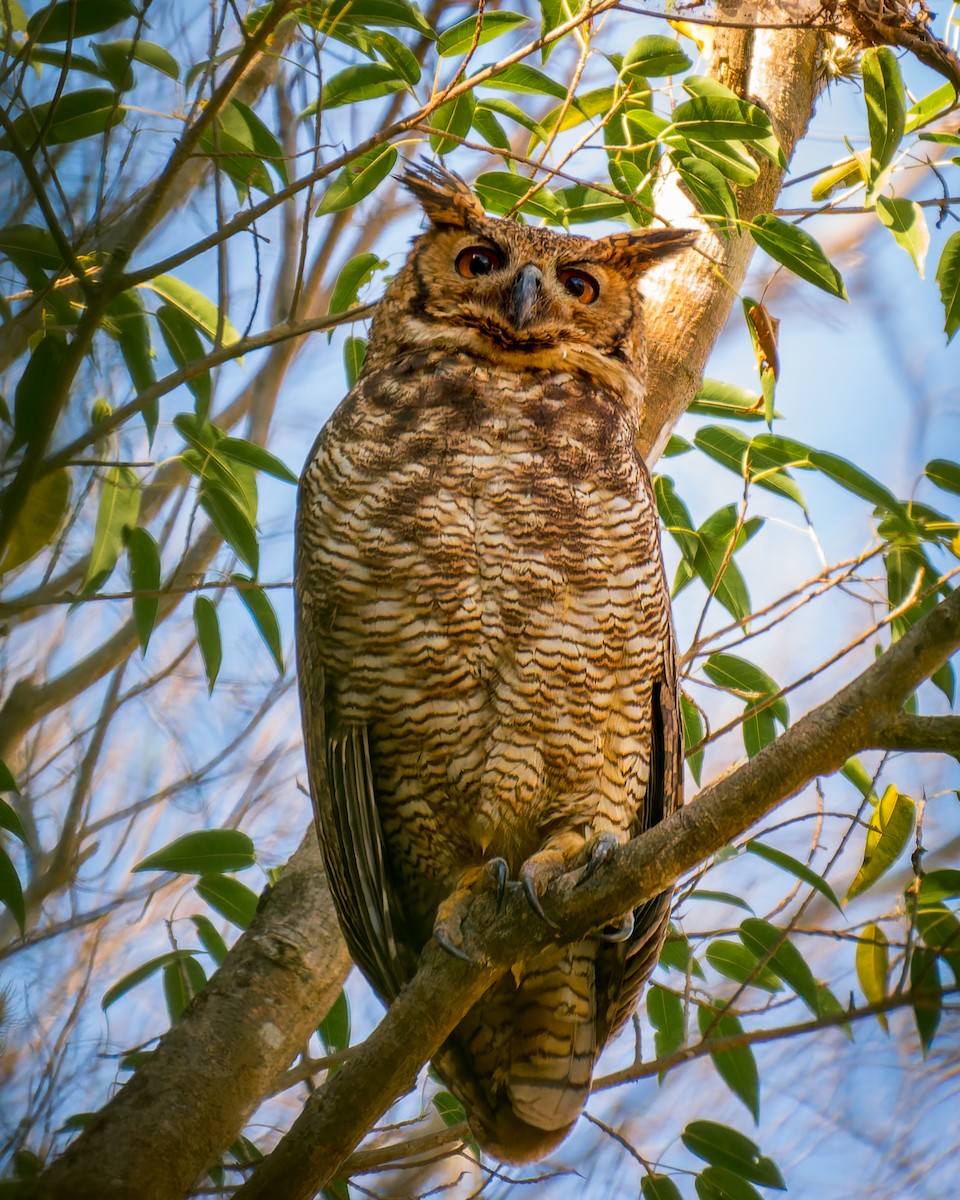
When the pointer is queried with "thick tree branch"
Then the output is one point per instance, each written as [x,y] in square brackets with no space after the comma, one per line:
[902,731]
[386,1065]
[195,1092]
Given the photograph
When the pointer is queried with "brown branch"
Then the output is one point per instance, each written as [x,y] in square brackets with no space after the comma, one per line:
[193,1095]
[932,735]
[386,1065]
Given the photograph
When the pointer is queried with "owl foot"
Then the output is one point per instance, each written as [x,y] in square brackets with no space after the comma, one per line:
[497,870]
[618,931]
[443,938]
[599,850]
[536,875]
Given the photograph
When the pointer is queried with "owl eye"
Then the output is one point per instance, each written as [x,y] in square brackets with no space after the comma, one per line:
[580,285]
[478,260]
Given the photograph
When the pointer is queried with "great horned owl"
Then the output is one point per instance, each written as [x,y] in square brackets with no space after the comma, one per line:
[487,667]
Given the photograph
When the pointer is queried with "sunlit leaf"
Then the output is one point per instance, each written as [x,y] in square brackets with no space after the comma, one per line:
[873,967]
[207,625]
[354,352]
[126,320]
[718,399]
[891,826]
[358,179]
[458,38]
[886,109]
[502,192]
[905,220]
[797,250]
[454,118]
[207,851]
[77,115]
[257,604]
[39,520]
[329,14]
[148,53]
[936,886]
[117,513]
[677,954]
[201,312]
[362,81]
[526,80]
[948,277]
[143,561]
[353,276]
[231,521]
[656,56]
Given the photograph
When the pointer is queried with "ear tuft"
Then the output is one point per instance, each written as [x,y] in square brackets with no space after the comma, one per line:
[446,198]
[638,249]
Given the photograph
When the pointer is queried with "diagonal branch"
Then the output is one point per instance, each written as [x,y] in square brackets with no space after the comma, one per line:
[385,1066]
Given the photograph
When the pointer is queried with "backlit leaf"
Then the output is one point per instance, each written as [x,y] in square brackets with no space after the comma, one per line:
[208,851]
[797,250]
[656,56]
[143,561]
[358,179]
[39,520]
[873,967]
[362,81]
[77,115]
[948,277]
[886,109]
[905,220]
[353,276]
[207,625]
[257,604]
[194,305]
[891,826]
[793,866]
[117,513]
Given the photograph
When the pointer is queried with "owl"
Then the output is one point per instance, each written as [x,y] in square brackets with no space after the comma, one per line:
[486,659]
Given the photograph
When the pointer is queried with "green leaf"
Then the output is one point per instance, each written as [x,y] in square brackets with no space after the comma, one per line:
[229,897]
[526,80]
[148,53]
[458,38]
[454,118]
[334,1029]
[886,110]
[396,53]
[327,16]
[748,681]
[184,346]
[7,781]
[948,277]
[720,897]
[675,517]
[31,405]
[362,81]
[711,558]
[665,1012]
[795,249]
[126,320]
[182,980]
[659,1187]
[10,821]
[931,106]
[353,276]
[937,886]
[39,520]
[736,1067]
[243,451]
[139,974]
[693,733]
[725,120]
[677,954]
[927,994]
[143,562]
[231,521]
[11,891]
[77,115]
[792,866]
[207,625]
[506,108]
[54,22]
[450,1109]
[722,1146]
[891,827]
[940,929]
[118,512]
[735,451]
[944,474]
[354,352]
[492,132]
[257,604]
[655,56]
[676,446]
[772,945]
[201,312]
[501,192]
[213,467]
[873,967]
[854,771]
[210,938]
[208,851]
[735,961]
[358,179]
[854,480]
[905,220]
[710,191]
[717,1183]
[240,145]
[718,399]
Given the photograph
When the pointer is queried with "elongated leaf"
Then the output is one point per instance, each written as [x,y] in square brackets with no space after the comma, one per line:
[362,13]
[713,897]
[118,512]
[719,399]
[358,179]
[891,827]
[693,734]
[10,821]
[735,961]
[769,943]
[11,890]
[182,980]
[526,80]
[506,108]
[7,781]
[736,1067]
[207,625]
[257,604]
[714,119]
[183,343]
[126,319]
[873,967]
[148,53]
[944,474]
[194,305]
[243,451]
[748,681]
[659,1187]
[655,56]
[210,939]
[937,886]
[208,851]
[798,251]
[458,38]
[214,467]
[940,929]
[354,352]
[502,191]
[396,53]
[711,192]
[677,954]
[455,119]
[735,451]
[139,974]
[143,560]
[334,1029]
[927,994]
[229,897]
[948,277]
[854,480]
[362,81]
[77,115]
[905,220]
[31,409]
[793,866]
[722,1146]
[231,522]
[39,520]
[353,276]
[665,1011]
[718,1183]
[886,110]
[54,22]
[675,517]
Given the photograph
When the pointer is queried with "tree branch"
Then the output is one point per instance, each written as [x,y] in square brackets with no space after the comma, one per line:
[931,735]
[386,1065]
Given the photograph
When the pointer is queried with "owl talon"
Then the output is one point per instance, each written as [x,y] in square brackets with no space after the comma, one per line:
[619,931]
[496,868]
[602,846]
[533,897]
[443,938]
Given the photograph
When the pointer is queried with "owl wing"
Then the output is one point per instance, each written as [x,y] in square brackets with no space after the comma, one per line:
[663,797]
[348,827]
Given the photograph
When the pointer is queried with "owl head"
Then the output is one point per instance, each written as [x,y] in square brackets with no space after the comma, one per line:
[517,295]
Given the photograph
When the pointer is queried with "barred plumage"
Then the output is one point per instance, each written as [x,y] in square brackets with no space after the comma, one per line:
[486,659]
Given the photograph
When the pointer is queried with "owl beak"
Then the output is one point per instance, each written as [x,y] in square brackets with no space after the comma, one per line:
[524,294]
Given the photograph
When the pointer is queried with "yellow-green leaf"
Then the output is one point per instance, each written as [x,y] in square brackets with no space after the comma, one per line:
[873,967]
[890,828]
[905,220]
[358,179]
[118,512]
[193,304]
[948,277]
[39,519]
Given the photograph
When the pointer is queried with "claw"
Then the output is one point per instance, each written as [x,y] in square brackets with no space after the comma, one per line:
[496,868]
[443,938]
[621,931]
[534,899]
[601,848]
